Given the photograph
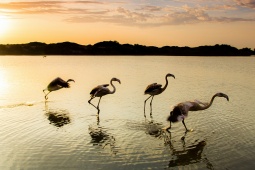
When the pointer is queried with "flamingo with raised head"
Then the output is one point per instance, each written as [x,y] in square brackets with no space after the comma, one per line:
[102,90]
[155,89]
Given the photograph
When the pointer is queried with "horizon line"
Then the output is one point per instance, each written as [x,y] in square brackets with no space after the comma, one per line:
[123,44]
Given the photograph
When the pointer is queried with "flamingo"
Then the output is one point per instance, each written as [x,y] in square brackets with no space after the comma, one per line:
[102,90]
[155,89]
[56,84]
[180,111]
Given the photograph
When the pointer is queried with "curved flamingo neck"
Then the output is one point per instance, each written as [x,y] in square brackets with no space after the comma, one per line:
[114,88]
[69,80]
[209,105]
[164,88]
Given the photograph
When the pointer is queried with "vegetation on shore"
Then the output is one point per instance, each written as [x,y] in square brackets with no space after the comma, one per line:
[115,48]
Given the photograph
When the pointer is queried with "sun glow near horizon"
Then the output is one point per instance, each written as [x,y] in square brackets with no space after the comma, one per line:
[4,24]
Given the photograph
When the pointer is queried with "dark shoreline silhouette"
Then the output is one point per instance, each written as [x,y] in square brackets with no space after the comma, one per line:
[115,48]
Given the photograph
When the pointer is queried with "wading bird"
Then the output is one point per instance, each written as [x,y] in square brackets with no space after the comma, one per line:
[155,89]
[180,111]
[57,84]
[101,91]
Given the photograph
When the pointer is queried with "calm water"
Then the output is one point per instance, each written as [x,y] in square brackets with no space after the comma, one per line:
[65,133]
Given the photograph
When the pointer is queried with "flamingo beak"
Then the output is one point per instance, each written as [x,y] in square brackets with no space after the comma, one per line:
[227,98]
[119,81]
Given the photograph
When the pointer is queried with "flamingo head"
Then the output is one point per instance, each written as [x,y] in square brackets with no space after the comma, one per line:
[170,75]
[115,79]
[222,95]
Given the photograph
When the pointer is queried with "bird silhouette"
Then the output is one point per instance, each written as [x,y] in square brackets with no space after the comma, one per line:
[56,84]
[100,91]
[180,111]
[155,89]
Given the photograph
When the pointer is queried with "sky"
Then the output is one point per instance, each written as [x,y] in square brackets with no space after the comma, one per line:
[147,22]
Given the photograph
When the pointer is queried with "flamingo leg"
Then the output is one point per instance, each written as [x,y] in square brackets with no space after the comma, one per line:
[167,129]
[92,103]
[145,104]
[98,105]
[46,96]
[90,99]
[151,105]
[184,125]
[183,138]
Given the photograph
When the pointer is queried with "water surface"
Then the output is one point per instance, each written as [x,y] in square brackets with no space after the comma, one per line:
[65,132]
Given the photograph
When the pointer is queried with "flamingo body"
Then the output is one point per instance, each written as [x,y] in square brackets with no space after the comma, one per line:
[57,84]
[102,90]
[180,111]
[155,89]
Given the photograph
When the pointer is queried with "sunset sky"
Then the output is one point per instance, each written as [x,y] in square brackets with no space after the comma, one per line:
[147,22]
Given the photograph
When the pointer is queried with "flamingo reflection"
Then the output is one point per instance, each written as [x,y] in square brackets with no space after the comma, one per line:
[187,153]
[153,128]
[100,137]
[57,118]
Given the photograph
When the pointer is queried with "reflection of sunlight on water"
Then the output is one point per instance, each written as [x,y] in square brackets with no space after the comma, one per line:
[3,83]
[18,104]
[66,135]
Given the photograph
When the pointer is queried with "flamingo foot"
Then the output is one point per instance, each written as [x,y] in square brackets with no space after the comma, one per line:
[167,129]
[189,130]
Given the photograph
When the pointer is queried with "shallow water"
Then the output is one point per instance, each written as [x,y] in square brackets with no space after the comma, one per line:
[65,132]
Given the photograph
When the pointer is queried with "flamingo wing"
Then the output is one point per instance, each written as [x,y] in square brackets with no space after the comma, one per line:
[105,85]
[57,83]
[98,88]
[94,90]
[102,91]
[60,82]
[150,88]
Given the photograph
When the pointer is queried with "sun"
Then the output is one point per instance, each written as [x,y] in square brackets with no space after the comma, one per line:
[4,24]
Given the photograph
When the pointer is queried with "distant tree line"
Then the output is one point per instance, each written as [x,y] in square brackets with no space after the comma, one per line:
[115,48]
